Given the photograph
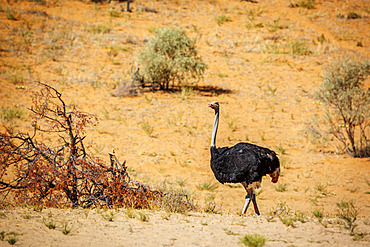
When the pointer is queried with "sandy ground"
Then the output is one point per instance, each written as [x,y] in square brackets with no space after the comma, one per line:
[89,228]
[266,96]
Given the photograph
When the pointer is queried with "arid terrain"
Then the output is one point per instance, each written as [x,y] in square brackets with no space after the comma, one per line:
[265,61]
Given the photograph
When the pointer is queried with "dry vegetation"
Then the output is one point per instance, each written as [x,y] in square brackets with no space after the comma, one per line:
[265,61]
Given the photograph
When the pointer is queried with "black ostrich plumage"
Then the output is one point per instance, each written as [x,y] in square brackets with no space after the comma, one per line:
[244,162]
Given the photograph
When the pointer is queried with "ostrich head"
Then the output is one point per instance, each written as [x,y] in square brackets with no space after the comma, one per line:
[214,105]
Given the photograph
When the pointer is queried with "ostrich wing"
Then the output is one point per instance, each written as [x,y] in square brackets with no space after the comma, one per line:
[243,162]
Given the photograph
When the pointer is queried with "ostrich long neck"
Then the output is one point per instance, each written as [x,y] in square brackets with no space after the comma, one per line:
[214,130]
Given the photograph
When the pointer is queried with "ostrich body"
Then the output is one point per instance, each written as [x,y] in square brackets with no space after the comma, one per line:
[243,163]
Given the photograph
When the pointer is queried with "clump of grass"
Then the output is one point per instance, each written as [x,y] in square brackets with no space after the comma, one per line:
[126,88]
[348,213]
[51,224]
[253,240]
[281,149]
[148,128]
[2,235]
[173,200]
[353,15]
[115,14]
[322,189]
[210,205]
[12,14]
[27,216]
[186,91]
[99,29]
[11,113]
[12,238]
[207,185]
[299,47]
[308,4]
[38,208]
[253,13]
[232,124]
[321,39]
[281,187]
[229,232]
[108,216]
[130,213]
[66,229]
[276,25]
[287,216]
[222,75]
[318,214]
[143,217]
[16,78]
[221,19]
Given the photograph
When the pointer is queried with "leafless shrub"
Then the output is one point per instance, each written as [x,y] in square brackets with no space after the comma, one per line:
[65,175]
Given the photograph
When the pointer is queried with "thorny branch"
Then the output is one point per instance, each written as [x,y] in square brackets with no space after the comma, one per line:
[64,175]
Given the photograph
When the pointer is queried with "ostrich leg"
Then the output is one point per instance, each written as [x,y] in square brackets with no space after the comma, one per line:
[247,201]
[250,196]
[255,204]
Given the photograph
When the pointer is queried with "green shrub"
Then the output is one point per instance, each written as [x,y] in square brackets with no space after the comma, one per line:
[347,103]
[253,240]
[171,59]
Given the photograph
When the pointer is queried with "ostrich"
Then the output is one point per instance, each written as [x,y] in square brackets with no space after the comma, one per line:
[243,163]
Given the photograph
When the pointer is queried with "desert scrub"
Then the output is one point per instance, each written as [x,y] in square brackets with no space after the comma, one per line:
[253,240]
[348,213]
[287,216]
[346,101]
[170,59]
[209,204]
[173,200]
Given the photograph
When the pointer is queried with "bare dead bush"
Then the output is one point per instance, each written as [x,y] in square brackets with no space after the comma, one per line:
[65,175]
